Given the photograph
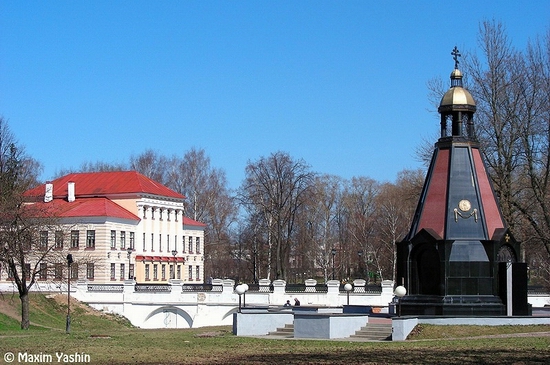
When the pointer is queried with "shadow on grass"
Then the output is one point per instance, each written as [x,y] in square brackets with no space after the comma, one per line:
[398,356]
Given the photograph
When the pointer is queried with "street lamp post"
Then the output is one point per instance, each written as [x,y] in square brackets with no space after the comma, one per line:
[129,251]
[241,290]
[399,292]
[348,287]
[360,254]
[174,253]
[333,251]
[68,323]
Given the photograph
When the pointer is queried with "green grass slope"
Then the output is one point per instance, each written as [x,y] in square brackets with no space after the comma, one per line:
[50,312]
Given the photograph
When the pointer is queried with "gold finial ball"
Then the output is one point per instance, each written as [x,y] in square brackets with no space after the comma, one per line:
[456,74]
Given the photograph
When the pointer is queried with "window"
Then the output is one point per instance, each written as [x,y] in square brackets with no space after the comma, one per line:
[198,273]
[122,239]
[144,212]
[198,245]
[144,249]
[152,242]
[90,239]
[176,215]
[152,213]
[190,244]
[183,244]
[74,239]
[44,240]
[163,271]
[155,272]
[58,273]
[160,242]
[59,239]
[172,272]
[132,240]
[90,271]
[130,271]
[179,272]
[190,272]
[74,271]
[122,269]
[28,271]
[113,239]
[160,213]
[147,275]
[43,271]
[167,243]
[113,271]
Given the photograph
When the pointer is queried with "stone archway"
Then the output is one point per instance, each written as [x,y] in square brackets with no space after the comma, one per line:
[169,317]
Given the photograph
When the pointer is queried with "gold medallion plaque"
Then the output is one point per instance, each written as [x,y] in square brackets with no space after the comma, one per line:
[464,205]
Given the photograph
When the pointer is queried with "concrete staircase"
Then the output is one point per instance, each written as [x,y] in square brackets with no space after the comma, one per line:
[371,332]
[285,332]
[374,332]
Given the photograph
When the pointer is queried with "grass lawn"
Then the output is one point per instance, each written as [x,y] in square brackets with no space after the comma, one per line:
[111,340]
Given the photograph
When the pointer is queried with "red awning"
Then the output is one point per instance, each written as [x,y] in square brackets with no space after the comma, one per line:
[160,258]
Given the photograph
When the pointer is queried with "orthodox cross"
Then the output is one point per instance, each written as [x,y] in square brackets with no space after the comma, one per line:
[455,53]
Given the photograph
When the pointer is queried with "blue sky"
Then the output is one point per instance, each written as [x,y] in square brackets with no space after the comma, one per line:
[340,84]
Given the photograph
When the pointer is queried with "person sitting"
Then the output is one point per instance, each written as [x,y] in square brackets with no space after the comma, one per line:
[296,302]
[287,304]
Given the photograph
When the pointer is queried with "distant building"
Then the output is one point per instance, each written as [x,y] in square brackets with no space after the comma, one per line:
[120,225]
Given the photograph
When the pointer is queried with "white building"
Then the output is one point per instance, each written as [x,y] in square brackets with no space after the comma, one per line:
[120,225]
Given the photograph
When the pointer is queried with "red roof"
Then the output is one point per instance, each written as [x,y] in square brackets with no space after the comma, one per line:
[190,222]
[94,184]
[88,207]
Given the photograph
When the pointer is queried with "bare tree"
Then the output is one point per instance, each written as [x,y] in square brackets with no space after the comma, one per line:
[98,166]
[396,204]
[22,248]
[208,200]
[275,187]
[511,89]
[323,212]
[151,164]
[358,213]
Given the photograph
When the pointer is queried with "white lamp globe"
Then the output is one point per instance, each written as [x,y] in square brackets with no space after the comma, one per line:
[400,291]
[348,287]
[240,289]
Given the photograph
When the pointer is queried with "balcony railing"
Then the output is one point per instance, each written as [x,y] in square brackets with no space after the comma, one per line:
[106,288]
[196,287]
[153,288]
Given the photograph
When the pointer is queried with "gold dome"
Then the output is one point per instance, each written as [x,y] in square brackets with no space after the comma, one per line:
[457,97]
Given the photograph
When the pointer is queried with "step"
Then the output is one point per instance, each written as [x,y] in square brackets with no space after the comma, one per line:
[286,331]
[374,332]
